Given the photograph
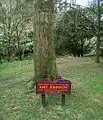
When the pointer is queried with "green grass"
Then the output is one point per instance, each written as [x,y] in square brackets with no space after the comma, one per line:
[15,68]
[85,102]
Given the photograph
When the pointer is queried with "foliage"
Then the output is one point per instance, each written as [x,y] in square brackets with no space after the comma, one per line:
[74,27]
[14,25]
[71,32]
[96,8]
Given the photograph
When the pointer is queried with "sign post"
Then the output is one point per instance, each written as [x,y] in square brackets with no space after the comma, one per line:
[63,100]
[43,99]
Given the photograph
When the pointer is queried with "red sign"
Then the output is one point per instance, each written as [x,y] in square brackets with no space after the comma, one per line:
[46,87]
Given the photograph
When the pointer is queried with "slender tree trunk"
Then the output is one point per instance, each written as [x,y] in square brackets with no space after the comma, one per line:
[44,54]
[20,54]
[19,51]
[0,58]
[98,35]
[82,49]
[9,55]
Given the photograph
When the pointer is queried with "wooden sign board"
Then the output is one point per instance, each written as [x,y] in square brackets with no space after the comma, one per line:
[46,87]
[53,88]
[56,88]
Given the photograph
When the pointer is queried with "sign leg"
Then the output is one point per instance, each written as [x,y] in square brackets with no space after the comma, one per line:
[63,100]
[43,99]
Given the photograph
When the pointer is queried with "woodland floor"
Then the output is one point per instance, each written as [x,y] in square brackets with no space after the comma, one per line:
[85,102]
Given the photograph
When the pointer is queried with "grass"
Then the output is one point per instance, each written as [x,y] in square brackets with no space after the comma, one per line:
[15,68]
[85,102]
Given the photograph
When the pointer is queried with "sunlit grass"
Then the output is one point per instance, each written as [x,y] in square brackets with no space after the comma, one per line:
[15,68]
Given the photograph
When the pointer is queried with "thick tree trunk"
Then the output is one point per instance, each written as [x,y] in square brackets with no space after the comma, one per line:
[44,54]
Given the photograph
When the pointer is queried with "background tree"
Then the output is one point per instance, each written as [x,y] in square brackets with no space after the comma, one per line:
[98,33]
[15,19]
[72,30]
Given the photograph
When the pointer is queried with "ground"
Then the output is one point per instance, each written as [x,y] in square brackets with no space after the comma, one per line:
[85,102]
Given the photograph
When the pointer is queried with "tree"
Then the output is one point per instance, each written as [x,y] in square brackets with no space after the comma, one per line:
[71,31]
[44,54]
[98,34]
[92,16]
[14,21]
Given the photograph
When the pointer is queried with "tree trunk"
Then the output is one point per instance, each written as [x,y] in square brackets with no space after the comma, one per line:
[82,49]
[8,50]
[98,36]
[44,54]
[0,58]
[20,54]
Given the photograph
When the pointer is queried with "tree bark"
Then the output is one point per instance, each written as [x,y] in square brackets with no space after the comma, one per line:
[44,54]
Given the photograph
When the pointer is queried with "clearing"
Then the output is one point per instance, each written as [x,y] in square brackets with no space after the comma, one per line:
[85,102]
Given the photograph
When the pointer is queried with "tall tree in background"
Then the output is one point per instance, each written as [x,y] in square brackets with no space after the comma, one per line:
[13,27]
[44,54]
[98,34]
